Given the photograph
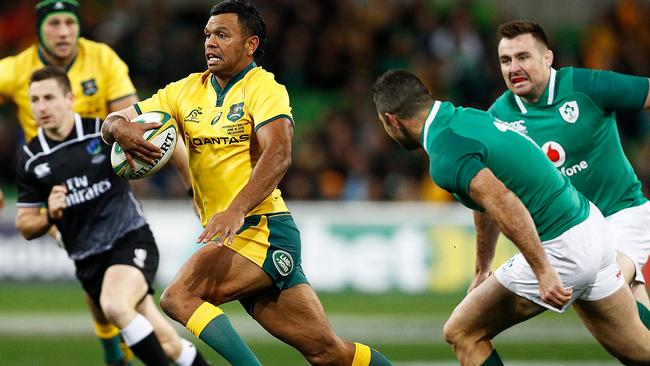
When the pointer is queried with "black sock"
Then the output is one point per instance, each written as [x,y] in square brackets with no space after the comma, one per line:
[141,339]
[149,351]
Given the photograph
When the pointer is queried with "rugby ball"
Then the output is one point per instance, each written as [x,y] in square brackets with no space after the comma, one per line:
[164,137]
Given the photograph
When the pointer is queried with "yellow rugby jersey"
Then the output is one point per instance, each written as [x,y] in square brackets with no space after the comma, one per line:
[219,132]
[97,75]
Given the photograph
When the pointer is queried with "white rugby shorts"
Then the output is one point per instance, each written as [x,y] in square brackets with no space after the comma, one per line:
[584,258]
[630,230]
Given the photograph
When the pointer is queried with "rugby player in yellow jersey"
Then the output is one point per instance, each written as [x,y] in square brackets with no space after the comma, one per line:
[237,125]
[100,84]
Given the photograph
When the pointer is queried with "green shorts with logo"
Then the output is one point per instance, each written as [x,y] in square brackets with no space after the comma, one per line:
[272,241]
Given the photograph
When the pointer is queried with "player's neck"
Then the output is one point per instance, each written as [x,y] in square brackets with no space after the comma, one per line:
[62,132]
[57,61]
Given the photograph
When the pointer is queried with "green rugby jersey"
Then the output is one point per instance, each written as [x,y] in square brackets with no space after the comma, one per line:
[574,122]
[462,141]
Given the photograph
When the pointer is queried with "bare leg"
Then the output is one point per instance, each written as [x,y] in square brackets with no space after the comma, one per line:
[296,317]
[485,312]
[628,269]
[614,322]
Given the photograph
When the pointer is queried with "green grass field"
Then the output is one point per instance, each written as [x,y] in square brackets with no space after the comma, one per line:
[47,324]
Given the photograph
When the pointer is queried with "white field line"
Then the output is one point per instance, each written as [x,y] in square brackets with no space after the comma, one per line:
[374,329]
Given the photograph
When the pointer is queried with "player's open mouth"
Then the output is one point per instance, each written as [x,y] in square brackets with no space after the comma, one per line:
[212,58]
[518,79]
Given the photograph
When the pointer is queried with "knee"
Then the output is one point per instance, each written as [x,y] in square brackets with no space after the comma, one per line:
[453,333]
[169,302]
[324,349]
[115,310]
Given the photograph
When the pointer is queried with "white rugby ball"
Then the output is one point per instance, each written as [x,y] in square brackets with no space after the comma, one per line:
[164,137]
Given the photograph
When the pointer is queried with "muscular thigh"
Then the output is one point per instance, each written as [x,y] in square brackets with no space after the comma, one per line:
[614,322]
[491,308]
[219,275]
[295,316]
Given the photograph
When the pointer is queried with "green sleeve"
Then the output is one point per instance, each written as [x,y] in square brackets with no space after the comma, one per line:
[611,90]
[454,161]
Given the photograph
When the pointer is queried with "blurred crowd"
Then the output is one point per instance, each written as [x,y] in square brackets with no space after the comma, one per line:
[328,53]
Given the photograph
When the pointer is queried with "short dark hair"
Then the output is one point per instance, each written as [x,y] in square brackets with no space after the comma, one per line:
[249,19]
[52,72]
[400,92]
[516,28]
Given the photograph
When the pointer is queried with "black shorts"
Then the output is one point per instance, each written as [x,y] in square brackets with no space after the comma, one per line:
[136,248]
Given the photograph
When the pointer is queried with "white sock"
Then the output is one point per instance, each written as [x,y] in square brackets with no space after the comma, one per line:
[188,353]
[136,330]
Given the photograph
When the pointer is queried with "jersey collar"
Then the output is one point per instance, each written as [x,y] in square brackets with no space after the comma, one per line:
[548,95]
[43,140]
[427,123]
[47,63]
[221,94]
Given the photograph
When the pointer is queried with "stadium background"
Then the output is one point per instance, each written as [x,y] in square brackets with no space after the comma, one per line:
[388,252]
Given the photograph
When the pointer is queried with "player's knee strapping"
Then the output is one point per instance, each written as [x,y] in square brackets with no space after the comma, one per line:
[366,356]
[213,327]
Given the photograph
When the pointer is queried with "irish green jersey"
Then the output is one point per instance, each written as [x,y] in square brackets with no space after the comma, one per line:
[574,122]
[462,141]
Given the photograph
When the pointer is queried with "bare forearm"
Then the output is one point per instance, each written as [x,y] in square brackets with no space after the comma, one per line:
[487,233]
[127,114]
[514,220]
[267,174]
[32,226]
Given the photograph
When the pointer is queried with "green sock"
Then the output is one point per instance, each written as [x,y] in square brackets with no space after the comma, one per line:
[109,337]
[493,359]
[644,314]
[112,351]
[377,359]
[366,356]
[213,327]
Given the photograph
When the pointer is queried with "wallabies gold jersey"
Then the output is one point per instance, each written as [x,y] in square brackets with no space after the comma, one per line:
[98,77]
[219,127]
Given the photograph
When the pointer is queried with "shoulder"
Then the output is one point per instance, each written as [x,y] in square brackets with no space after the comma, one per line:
[20,58]
[28,153]
[101,51]
[258,75]
[504,102]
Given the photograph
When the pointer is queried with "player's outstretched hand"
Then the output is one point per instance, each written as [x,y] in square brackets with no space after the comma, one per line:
[129,136]
[221,228]
[552,290]
[56,201]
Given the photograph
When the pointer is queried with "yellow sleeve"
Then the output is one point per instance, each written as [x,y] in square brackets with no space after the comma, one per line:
[7,70]
[118,83]
[165,100]
[268,101]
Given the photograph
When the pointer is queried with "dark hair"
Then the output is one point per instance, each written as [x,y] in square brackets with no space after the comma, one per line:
[249,19]
[52,72]
[400,92]
[516,28]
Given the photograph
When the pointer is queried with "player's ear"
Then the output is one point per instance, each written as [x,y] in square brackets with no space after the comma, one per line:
[251,45]
[548,58]
[392,119]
